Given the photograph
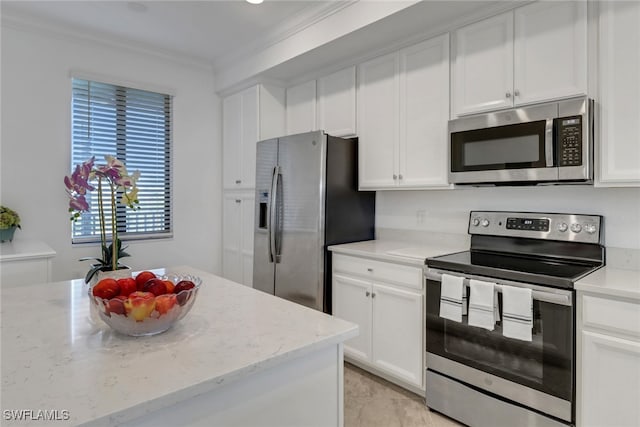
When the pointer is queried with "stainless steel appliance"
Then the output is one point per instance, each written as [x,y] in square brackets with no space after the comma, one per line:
[306,200]
[483,378]
[542,144]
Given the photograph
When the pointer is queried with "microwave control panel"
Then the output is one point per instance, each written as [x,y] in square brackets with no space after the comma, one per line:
[569,141]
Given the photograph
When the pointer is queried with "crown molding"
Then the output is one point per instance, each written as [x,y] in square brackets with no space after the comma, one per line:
[301,21]
[50,27]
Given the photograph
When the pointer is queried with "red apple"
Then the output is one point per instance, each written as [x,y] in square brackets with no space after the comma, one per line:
[139,305]
[155,286]
[127,286]
[165,302]
[170,286]
[106,289]
[116,306]
[143,277]
[183,285]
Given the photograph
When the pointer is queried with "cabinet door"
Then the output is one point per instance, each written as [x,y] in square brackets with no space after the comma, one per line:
[610,381]
[424,111]
[337,103]
[619,93]
[550,51]
[247,214]
[483,65]
[232,140]
[232,238]
[249,137]
[301,108]
[378,122]
[352,302]
[397,332]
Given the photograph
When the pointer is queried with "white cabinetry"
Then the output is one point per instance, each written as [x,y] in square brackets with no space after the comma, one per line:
[619,94]
[252,115]
[608,361]
[237,236]
[301,108]
[386,300]
[403,105]
[537,52]
[378,119]
[249,116]
[25,262]
[337,103]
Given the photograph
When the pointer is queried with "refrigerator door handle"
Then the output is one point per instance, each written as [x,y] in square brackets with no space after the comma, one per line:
[272,214]
[279,212]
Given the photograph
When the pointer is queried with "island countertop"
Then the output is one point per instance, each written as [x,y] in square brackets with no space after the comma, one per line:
[55,358]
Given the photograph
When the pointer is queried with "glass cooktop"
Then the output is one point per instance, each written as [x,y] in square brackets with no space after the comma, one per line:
[518,268]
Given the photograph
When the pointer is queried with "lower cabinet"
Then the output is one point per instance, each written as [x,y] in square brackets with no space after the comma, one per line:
[608,362]
[237,236]
[389,312]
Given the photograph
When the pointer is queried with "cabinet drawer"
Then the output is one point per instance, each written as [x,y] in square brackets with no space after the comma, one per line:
[379,270]
[613,315]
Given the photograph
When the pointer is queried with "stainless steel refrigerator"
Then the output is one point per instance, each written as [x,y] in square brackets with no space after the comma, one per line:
[307,198]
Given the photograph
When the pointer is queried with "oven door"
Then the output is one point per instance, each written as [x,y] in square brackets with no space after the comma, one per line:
[538,374]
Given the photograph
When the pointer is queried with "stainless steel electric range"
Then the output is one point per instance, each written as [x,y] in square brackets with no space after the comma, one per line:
[479,376]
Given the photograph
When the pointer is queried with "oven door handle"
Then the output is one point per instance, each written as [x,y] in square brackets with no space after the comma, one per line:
[563,298]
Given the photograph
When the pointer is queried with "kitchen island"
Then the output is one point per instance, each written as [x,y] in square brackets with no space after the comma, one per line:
[239,358]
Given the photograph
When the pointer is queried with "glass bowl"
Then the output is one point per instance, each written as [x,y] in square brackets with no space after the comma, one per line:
[149,315]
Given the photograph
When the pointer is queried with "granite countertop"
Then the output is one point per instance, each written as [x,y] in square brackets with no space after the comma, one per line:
[610,281]
[55,358]
[409,253]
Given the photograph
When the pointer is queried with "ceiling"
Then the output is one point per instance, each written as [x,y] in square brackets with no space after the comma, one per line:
[211,31]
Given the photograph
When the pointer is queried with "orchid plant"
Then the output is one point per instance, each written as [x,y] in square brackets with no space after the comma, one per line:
[114,175]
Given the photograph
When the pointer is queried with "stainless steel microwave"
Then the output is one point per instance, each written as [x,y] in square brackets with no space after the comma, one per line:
[549,143]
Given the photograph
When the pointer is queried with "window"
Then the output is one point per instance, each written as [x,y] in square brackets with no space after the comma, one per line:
[134,126]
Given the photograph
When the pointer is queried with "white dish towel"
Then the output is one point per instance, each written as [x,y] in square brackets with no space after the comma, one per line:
[483,305]
[517,313]
[452,298]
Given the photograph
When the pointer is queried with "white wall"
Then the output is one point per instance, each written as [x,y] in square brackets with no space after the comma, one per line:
[36,95]
[448,210]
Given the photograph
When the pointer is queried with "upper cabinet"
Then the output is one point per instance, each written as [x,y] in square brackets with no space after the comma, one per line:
[337,103]
[249,116]
[403,107]
[378,118]
[301,108]
[619,92]
[535,53]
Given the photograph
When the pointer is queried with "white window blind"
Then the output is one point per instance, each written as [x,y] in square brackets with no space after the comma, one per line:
[135,127]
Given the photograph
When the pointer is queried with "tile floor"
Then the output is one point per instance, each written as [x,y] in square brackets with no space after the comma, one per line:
[370,401]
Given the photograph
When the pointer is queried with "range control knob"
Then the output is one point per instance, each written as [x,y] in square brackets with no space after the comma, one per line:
[576,228]
[590,228]
[562,227]
[484,222]
[475,222]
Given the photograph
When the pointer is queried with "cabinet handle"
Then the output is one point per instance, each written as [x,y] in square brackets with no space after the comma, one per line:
[508,94]
[370,270]
[368,293]
[238,200]
[238,181]
[400,176]
[516,92]
[373,295]
[395,176]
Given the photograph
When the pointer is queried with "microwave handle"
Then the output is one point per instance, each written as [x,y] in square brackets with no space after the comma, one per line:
[548,142]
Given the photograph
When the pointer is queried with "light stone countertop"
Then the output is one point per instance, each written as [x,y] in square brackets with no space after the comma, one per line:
[408,253]
[25,249]
[54,358]
[610,281]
